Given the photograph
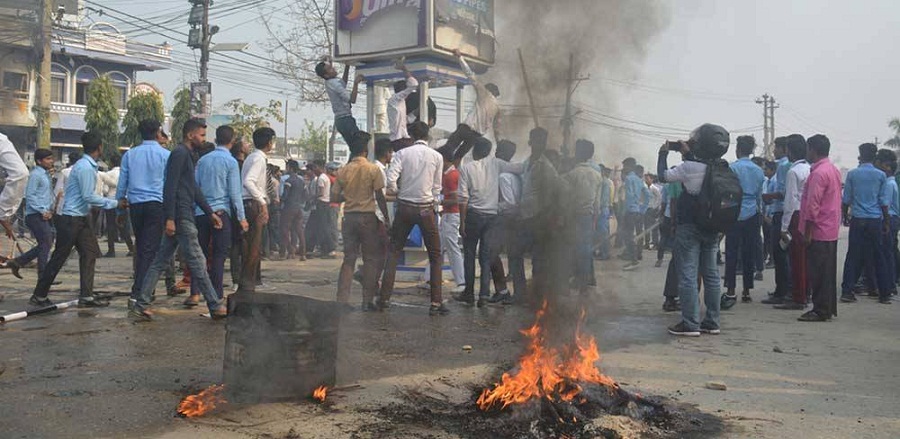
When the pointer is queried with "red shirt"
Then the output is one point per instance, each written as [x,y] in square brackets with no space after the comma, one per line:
[450,182]
[333,179]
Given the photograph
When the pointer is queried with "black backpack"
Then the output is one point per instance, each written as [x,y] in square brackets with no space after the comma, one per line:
[719,200]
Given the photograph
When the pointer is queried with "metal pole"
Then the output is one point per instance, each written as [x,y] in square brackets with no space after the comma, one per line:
[371,96]
[459,104]
[23,314]
[567,118]
[44,53]
[204,56]
[287,152]
[423,102]
[528,89]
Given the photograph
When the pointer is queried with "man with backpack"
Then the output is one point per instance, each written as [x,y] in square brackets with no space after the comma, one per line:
[709,205]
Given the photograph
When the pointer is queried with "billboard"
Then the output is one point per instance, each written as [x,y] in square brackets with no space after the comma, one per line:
[467,25]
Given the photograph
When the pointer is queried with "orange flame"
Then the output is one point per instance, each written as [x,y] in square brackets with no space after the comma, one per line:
[547,372]
[320,393]
[202,403]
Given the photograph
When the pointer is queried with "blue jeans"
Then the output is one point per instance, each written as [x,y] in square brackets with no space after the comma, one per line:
[40,229]
[216,246]
[584,257]
[603,233]
[696,253]
[481,242]
[186,239]
[865,249]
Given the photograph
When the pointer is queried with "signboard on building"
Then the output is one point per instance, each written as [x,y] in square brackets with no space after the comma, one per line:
[201,99]
[467,25]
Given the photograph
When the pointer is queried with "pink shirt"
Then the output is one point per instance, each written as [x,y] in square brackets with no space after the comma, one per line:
[821,202]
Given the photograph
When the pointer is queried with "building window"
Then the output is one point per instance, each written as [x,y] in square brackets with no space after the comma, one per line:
[58,85]
[15,81]
[120,89]
[83,77]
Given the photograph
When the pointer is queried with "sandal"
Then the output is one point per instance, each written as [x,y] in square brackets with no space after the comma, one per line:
[192,301]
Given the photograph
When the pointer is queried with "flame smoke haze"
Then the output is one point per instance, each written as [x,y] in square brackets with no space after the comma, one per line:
[607,38]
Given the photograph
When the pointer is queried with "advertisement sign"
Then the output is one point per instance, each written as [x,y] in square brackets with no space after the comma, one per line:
[354,14]
[467,25]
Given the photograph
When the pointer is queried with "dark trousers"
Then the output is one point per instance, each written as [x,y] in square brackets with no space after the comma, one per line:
[216,245]
[252,245]
[348,128]
[319,231]
[71,232]
[759,247]
[651,217]
[865,248]
[114,232]
[237,247]
[741,237]
[895,247]
[670,290]
[360,231]
[584,255]
[291,225]
[519,241]
[665,238]
[481,243]
[627,228]
[40,229]
[797,249]
[821,257]
[533,236]
[148,222]
[407,216]
[780,258]
[462,140]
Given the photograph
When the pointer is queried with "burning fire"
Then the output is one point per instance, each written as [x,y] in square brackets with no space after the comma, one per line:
[320,393]
[202,403]
[547,372]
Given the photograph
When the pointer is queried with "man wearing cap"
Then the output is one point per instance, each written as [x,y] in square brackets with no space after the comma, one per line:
[38,213]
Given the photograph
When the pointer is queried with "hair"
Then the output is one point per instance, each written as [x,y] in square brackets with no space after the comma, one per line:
[237,146]
[584,150]
[262,137]
[629,162]
[115,161]
[448,153]
[74,157]
[867,152]
[320,69]
[41,154]
[759,161]
[745,145]
[506,150]
[399,86]
[382,147]
[639,170]
[191,125]
[796,146]
[224,135]
[771,165]
[482,148]
[359,142]
[781,142]
[205,149]
[91,142]
[820,144]
[491,87]
[418,130]
[149,128]
[538,137]
[292,165]
[886,156]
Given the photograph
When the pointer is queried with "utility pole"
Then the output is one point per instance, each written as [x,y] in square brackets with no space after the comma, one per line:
[769,107]
[569,117]
[200,37]
[287,151]
[44,54]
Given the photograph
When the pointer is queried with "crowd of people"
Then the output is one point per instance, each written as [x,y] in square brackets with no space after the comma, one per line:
[471,201]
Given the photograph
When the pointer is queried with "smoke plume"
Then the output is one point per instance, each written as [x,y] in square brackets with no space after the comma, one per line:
[608,38]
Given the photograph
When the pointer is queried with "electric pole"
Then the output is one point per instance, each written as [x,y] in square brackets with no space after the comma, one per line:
[769,107]
[569,117]
[43,54]
[200,37]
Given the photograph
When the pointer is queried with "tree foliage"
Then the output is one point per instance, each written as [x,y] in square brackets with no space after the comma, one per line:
[314,140]
[894,142]
[181,112]
[141,106]
[296,48]
[246,118]
[102,116]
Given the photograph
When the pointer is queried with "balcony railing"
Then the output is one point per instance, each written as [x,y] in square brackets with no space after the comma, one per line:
[59,107]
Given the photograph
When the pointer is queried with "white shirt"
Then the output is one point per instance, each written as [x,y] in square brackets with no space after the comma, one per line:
[796,181]
[60,189]
[655,197]
[253,177]
[383,169]
[691,174]
[484,114]
[479,183]
[16,178]
[323,187]
[417,170]
[396,110]
[110,180]
[510,192]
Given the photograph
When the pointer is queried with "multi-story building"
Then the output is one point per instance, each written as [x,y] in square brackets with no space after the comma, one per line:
[81,54]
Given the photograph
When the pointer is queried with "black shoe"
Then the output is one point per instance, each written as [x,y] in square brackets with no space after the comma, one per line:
[468,299]
[482,302]
[37,301]
[774,300]
[358,277]
[438,310]
[745,298]
[110,255]
[383,304]
[91,302]
[682,330]
[710,328]
[499,298]
[885,300]
[671,305]
[791,306]
[14,267]
[728,301]
[139,316]
[759,276]
[812,316]
[848,298]
[658,263]
[370,307]
[129,254]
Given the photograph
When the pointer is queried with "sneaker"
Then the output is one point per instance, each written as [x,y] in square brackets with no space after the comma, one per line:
[438,310]
[682,330]
[885,300]
[500,297]
[458,289]
[37,301]
[370,307]
[482,302]
[710,328]
[812,316]
[728,301]
[109,255]
[658,263]
[759,276]
[671,305]
[191,301]
[774,300]
[848,298]
[91,302]
[140,315]
[14,267]
[631,266]
[468,299]
[509,300]
[791,306]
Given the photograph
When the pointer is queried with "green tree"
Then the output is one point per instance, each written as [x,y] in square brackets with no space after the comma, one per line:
[314,140]
[181,112]
[246,118]
[102,116]
[142,106]
[894,142]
